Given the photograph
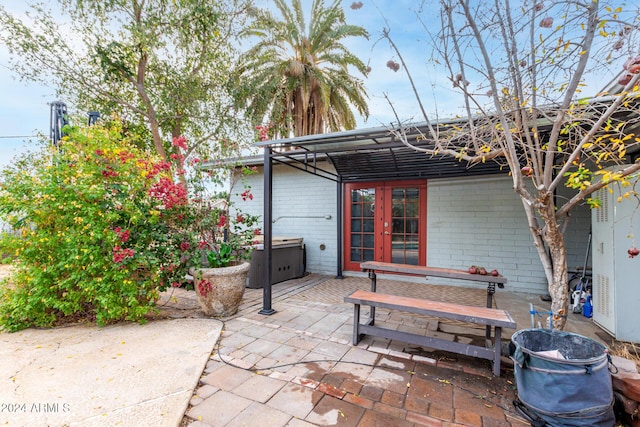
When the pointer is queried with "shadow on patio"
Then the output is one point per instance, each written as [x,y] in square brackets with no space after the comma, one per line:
[297,367]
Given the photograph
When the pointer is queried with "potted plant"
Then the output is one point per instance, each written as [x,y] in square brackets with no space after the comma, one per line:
[222,237]
[221,263]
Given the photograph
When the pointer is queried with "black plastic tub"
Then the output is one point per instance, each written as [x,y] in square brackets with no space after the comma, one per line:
[288,257]
[562,378]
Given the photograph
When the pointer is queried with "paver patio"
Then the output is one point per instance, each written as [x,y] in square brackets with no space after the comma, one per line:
[298,367]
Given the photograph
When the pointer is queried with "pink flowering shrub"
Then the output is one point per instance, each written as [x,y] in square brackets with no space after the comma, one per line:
[99,229]
[224,234]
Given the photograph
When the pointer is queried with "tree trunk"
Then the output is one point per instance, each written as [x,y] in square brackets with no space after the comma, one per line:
[558,286]
[549,243]
[153,123]
[157,138]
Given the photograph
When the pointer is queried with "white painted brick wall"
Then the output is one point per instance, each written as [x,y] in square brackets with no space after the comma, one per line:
[305,197]
[481,221]
[470,221]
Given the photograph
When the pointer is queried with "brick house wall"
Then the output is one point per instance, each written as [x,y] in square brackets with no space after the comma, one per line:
[469,221]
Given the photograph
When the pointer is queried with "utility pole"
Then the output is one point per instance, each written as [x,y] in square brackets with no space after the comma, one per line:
[58,120]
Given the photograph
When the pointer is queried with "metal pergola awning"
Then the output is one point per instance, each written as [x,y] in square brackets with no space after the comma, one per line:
[374,154]
[371,154]
[377,154]
[357,155]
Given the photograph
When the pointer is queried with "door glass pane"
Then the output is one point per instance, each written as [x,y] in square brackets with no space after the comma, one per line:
[412,194]
[397,227]
[413,209]
[397,209]
[368,240]
[368,255]
[411,250]
[397,253]
[368,225]
[369,208]
[362,224]
[405,225]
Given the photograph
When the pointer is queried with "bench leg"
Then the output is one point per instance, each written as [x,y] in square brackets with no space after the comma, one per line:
[491,289]
[372,276]
[356,324]
[497,348]
[372,311]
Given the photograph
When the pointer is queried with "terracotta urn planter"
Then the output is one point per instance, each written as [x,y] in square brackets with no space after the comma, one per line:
[220,290]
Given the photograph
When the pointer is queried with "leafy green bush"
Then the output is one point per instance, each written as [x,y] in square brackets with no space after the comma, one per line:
[98,231]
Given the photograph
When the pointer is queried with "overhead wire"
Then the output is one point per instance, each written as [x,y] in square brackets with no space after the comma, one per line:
[18,136]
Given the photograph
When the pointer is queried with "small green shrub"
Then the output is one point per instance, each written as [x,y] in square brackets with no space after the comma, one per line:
[97,231]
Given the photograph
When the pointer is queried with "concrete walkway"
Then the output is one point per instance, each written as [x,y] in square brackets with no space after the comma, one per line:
[126,374]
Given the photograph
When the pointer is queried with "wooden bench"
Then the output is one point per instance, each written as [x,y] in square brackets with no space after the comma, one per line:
[424,271]
[490,317]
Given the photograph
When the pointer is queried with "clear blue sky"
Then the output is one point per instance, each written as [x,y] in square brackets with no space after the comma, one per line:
[23,112]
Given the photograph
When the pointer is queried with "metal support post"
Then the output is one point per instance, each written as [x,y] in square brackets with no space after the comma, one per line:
[268,225]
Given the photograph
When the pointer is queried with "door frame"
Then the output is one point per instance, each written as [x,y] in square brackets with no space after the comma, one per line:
[383,191]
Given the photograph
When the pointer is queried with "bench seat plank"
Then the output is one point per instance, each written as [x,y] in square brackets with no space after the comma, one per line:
[480,315]
[422,270]
[465,313]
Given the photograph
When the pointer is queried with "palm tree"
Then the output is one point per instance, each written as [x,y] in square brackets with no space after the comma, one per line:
[297,77]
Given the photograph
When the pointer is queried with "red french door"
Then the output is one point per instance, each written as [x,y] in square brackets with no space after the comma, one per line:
[385,221]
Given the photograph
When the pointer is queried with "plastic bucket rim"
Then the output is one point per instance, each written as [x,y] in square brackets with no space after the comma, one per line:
[591,360]
[579,368]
